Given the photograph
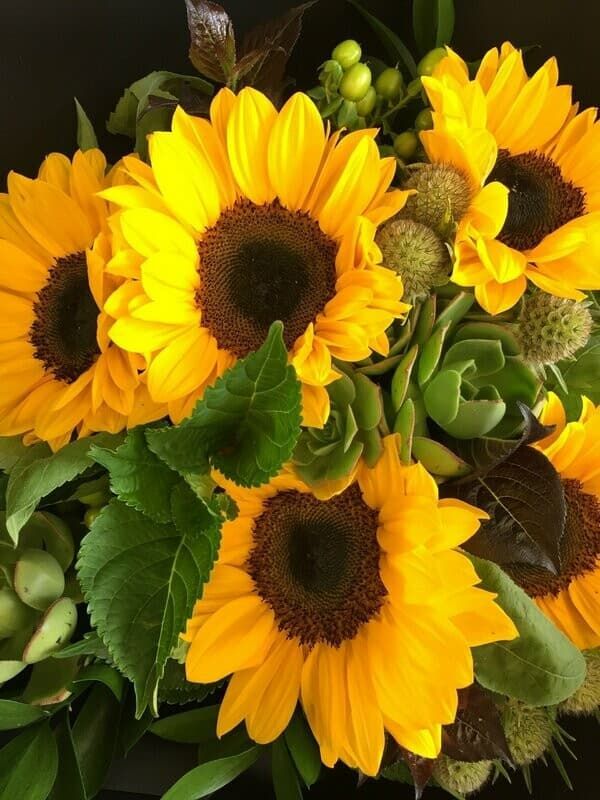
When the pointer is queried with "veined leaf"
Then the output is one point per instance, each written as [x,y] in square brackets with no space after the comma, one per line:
[247,424]
[212,39]
[31,480]
[477,733]
[541,667]
[394,46]
[141,579]
[212,776]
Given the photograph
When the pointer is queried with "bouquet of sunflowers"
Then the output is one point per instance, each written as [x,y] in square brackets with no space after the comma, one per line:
[300,447]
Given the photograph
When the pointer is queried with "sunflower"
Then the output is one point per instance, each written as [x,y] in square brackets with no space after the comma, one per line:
[60,372]
[548,158]
[253,217]
[571,599]
[357,606]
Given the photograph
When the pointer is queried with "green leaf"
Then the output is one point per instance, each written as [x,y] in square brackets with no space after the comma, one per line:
[90,645]
[102,673]
[31,480]
[175,690]
[28,765]
[433,23]
[141,579]
[285,779]
[247,424]
[95,737]
[69,780]
[18,715]
[12,450]
[303,748]
[138,476]
[582,374]
[86,136]
[542,667]
[208,778]
[395,47]
[189,727]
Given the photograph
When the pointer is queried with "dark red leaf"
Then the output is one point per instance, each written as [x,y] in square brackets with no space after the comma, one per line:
[420,768]
[212,40]
[477,733]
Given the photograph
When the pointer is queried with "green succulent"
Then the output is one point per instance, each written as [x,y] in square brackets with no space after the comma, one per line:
[38,615]
[351,432]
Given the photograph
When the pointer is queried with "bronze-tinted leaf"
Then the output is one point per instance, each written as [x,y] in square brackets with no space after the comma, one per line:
[477,733]
[212,39]
[399,764]
[420,768]
[525,499]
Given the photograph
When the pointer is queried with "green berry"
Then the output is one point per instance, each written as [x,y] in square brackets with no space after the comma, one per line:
[347,53]
[90,516]
[430,61]
[405,144]
[390,84]
[367,104]
[356,82]
[424,120]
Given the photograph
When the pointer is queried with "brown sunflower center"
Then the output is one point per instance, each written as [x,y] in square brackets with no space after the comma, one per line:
[580,546]
[540,200]
[259,264]
[316,564]
[63,333]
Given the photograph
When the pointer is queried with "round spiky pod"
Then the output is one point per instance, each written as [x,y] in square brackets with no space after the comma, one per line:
[528,731]
[443,197]
[552,328]
[416,254]
[586,699]
[462,777]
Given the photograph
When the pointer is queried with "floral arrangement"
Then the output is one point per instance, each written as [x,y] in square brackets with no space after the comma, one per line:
[300,438]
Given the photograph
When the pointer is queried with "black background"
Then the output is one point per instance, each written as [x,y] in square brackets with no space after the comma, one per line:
[53,50]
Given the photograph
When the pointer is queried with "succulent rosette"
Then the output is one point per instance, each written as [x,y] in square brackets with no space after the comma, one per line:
[300,421]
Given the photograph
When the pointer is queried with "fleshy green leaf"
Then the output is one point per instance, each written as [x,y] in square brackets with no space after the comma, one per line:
[141,579]
[86,135]
[138,476]
[247,424]
[285,779]
[212,39]
[541,667]
[212,776]
[303,748]
[31,480]
[18,715]
[28,765]
[477,733]
[394,46]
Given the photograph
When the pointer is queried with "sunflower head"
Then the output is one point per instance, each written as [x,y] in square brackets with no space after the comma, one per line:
[354,604]
[253,217]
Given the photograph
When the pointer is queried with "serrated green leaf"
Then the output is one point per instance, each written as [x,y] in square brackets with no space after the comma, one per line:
[542,667]
[28,765]
[138,477]
[18,715]
[141,579]
[175,690]
[33,477]
[212,776]
[247,424]
[86,135]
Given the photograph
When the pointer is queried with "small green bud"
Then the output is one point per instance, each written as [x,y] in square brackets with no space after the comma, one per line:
[430,61]
[424,120]
[90,516]
[461,777]
[586,700]
[347,53]
[552,328]
[406,144]
[356,82]
[367,104]
[390,84]
[528,731]
[330,75]
[443,197]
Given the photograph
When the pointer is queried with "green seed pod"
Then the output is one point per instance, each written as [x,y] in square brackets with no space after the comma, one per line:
[90,516]
[347,53]
[49,681]
[54,631]
[390,84]
[367,104]
[461,777]
[430,61]
[442,199]
[551,328]
[528,731]
[14,614]
[39,579]
[406,145]
[424,120]
[45,531]
[586,700]
[10,669]
[356,82]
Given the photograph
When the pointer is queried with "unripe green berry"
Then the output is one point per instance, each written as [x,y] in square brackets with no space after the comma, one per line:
[406,144]
[356,82]
[424,120]
[347,53]
[430,61]
[586,700]
[90,516]
[367,104]
[462,777]
[389,84]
